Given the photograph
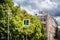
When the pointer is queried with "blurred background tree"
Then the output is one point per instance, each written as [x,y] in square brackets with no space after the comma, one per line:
[17,30]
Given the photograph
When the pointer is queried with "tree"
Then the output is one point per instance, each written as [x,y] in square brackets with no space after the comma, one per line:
[17,30]
[4,5]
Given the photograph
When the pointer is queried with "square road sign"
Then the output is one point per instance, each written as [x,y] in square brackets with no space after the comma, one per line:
[26,21]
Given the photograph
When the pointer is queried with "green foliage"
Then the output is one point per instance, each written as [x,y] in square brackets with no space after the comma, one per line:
[16,17]
[17,26]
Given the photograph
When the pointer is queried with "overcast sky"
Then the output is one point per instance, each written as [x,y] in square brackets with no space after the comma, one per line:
[34,6]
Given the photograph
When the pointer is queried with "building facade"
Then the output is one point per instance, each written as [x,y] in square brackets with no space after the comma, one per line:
[49,23]
[57,37]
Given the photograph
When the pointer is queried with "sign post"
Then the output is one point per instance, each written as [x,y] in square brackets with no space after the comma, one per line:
[26,23]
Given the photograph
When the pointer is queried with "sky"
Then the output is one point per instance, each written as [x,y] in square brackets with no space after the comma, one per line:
[34,6]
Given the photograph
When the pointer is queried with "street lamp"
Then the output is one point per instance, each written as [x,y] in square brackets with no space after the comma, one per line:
[8,13]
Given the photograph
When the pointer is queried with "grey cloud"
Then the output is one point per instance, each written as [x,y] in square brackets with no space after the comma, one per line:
[59,23]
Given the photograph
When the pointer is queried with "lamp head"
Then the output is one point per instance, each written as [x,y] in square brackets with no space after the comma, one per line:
[8,11]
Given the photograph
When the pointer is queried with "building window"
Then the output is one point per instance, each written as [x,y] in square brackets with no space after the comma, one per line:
[44,19]
[44,27]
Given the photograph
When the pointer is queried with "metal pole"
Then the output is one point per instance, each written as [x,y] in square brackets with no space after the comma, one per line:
[8,13]
[8,26]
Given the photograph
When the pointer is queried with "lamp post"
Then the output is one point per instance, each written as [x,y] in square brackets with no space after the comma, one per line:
[8,13]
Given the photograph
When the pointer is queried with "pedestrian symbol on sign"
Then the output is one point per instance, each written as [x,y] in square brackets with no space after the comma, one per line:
[26,21]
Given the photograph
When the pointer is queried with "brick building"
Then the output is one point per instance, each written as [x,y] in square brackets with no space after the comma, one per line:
[50,24]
